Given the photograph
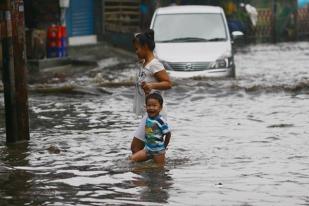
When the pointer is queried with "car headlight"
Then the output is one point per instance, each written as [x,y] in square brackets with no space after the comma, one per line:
[222,63]
[166,65]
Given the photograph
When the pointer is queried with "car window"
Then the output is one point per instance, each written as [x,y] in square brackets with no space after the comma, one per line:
[189,27]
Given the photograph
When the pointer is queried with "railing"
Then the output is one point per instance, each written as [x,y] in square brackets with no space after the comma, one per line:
[264,24]
[303,22]
[121,16]
[264,28]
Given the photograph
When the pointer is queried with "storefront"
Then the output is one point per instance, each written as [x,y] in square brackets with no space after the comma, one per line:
[77,15]
[79,21]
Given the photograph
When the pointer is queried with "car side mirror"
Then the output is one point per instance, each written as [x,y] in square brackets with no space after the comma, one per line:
[237,34]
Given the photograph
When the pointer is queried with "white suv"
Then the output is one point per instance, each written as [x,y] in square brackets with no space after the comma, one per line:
[194,41]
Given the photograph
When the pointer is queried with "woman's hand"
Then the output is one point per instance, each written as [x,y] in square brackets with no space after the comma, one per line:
[147,87]
[163,83]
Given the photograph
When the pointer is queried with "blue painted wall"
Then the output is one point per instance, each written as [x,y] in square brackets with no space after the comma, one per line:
[303,3]
[80,18]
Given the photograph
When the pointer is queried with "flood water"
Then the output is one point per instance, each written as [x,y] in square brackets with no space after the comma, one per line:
[234,142]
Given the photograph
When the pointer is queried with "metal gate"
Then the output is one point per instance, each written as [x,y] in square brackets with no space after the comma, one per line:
[80,18]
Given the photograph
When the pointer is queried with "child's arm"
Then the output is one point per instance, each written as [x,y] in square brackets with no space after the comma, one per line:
[167,139]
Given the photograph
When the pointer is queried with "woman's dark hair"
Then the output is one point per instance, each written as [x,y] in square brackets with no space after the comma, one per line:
[145,38]
[156,96]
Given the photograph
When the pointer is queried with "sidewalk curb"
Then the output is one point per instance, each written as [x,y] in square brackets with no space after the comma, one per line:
[85,55]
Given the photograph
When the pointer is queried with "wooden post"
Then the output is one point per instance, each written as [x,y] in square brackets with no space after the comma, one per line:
[14,71]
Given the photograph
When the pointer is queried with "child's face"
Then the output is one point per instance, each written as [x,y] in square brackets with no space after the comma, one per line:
[153,107]
[139,50]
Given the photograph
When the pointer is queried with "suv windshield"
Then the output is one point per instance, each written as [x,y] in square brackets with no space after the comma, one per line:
[189,28]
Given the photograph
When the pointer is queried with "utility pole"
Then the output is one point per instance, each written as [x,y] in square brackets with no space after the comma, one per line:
[14,70]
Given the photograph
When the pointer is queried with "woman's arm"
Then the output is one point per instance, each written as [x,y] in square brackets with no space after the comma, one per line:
[163,83]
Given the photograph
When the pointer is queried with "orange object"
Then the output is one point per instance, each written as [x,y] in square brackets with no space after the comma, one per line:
[56,32]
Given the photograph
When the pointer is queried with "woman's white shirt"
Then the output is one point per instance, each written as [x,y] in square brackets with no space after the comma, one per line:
[145,74]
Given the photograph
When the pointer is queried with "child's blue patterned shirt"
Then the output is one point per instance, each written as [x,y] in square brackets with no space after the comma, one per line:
[155,129]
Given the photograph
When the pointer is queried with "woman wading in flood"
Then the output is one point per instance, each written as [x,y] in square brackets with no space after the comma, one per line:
[152,77]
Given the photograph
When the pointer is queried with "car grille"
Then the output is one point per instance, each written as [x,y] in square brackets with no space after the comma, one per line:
[192,66]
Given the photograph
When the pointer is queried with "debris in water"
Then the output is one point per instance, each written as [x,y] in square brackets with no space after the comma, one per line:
[280,125]
[53,149]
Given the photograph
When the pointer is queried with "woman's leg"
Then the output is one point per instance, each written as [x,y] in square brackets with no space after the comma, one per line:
[159,159]
[139,156]
[137,145]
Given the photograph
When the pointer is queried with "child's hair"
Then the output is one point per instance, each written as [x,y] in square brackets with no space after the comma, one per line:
[145,38]
[156,96]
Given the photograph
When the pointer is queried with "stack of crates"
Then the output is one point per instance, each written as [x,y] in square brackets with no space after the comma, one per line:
[57,41]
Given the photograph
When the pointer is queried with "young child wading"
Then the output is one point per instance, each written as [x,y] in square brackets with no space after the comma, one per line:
[157,132]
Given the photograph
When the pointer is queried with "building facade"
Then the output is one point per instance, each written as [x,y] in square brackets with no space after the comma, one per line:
[115,21]
[79,17]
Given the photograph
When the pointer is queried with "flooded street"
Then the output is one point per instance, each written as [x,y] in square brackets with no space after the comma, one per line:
[234,142]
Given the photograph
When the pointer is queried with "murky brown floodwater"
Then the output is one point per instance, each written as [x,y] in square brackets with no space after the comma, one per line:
[235,142]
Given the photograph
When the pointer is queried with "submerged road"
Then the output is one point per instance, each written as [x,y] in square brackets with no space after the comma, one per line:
[240,141]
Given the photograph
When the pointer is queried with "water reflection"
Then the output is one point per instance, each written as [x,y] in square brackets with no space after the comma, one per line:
[155,183]
[15,184]
[2,118]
